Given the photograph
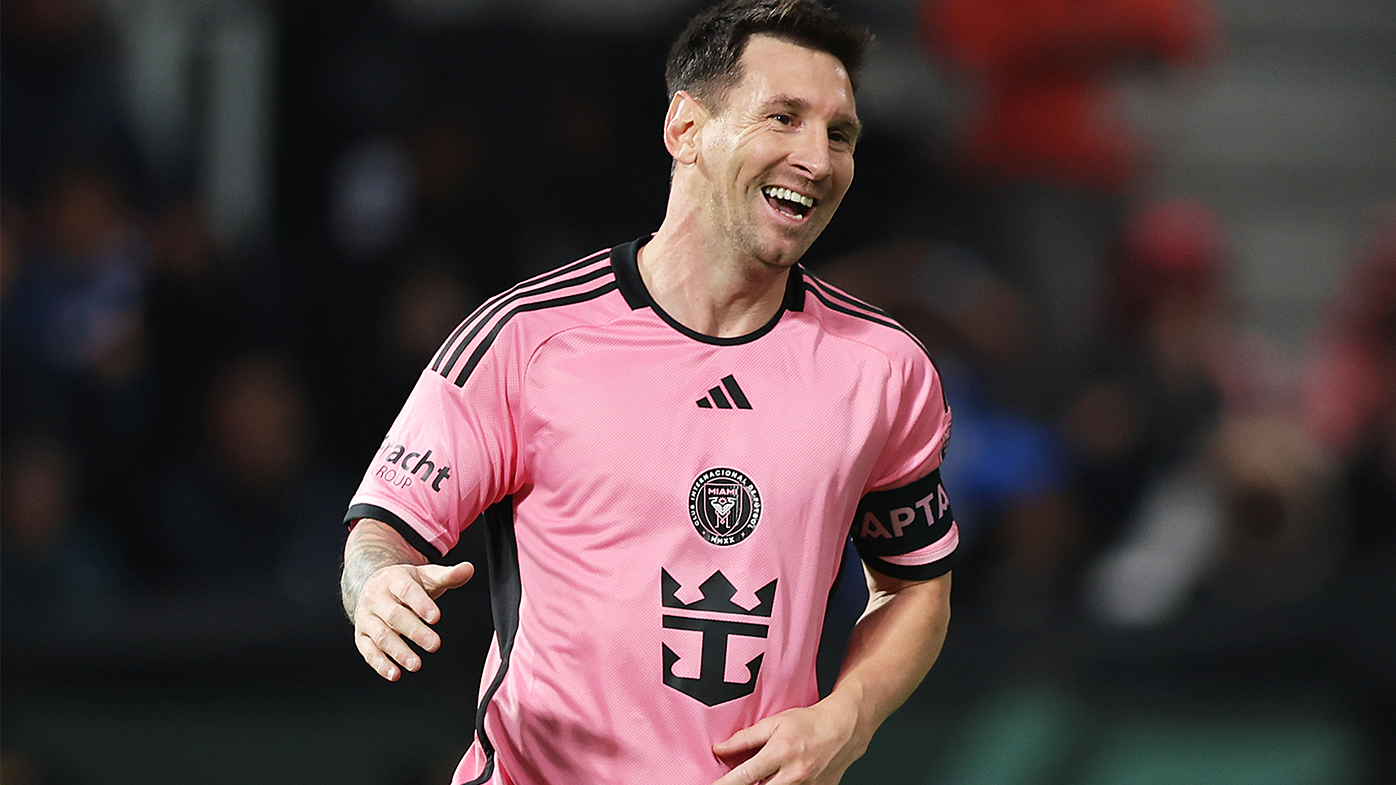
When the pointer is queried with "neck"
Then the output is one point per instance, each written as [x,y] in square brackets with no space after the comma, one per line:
[708,288]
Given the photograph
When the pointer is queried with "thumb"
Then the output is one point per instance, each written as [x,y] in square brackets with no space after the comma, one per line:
[436,579]
[744,740]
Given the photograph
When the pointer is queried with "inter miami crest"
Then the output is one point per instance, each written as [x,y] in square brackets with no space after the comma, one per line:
[724,505]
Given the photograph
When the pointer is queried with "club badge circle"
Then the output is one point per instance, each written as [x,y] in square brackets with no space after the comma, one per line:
[724,506]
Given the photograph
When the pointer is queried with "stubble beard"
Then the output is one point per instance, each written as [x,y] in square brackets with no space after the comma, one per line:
[751,238]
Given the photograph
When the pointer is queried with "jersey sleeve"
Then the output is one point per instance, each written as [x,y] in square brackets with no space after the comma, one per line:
[904,527]
[450,454]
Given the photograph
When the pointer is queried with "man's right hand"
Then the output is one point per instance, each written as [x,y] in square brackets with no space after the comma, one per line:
[389,592]
[397,602]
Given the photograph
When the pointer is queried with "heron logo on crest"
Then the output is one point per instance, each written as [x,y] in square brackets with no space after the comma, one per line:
[724,505]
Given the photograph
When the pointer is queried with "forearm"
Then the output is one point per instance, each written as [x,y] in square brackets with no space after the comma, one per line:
[371,546]
[891,649]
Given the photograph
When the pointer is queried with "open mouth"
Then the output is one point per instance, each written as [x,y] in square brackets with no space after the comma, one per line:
[788,202]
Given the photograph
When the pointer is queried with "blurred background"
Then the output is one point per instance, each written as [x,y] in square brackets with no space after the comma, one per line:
[1151,244]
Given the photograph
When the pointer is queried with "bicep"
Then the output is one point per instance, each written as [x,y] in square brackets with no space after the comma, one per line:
[882,587]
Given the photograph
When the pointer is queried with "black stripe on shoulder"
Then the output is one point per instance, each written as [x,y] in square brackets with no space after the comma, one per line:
[875,316]
[491,310]
[536,285]
[533,305]
[480,324]
[488,306]
[542,284]
[839,294]
[826,294]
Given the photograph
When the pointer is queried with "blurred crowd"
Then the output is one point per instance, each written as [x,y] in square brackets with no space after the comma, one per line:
[189,411]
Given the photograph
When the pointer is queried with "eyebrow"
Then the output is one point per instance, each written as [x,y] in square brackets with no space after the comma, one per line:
[840,120]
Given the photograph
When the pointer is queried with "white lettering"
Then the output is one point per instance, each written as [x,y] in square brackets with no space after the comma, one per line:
[872,527]
[900,518]
[925,505]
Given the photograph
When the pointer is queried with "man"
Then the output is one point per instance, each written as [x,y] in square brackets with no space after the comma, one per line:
[667,443]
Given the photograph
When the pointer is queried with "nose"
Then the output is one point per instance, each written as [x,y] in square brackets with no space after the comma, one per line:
[811,153]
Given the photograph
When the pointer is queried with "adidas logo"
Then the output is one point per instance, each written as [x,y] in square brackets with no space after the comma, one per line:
[733,398]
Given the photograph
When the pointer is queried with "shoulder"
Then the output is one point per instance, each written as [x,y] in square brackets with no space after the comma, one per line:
[842,315]
[530,312]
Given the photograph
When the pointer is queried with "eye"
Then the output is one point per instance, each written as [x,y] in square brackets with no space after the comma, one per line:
[783,118]
[843,136]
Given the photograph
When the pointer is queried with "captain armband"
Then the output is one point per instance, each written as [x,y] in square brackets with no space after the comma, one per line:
[907,532]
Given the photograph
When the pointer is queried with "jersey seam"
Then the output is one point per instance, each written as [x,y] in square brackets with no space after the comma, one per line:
[899,369]
[896,372]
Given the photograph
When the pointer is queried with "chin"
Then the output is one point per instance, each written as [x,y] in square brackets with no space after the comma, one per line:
[785,250]
[783,258]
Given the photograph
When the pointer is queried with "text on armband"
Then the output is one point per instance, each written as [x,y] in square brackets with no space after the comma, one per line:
[933,505]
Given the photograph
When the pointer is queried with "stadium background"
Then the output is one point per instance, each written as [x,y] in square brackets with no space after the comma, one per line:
[234,230]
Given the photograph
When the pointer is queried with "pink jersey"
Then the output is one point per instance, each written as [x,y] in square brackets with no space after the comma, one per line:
[665,511]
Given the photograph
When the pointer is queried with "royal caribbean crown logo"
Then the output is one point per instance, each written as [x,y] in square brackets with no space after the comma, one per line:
[724,505]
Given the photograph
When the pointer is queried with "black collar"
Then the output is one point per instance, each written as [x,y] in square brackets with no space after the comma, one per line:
[625,263]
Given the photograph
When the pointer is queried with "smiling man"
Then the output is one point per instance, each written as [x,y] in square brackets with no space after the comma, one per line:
[668,444]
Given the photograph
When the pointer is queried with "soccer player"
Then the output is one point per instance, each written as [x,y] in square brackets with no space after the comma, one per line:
[668,444]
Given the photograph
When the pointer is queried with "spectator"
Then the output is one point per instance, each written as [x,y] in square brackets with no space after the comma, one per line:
[62,100]
[61,565]
[1194,471]
[248,507]
[76,341]
[1021,530]
[1052,157]
[78,300]
[1350,388]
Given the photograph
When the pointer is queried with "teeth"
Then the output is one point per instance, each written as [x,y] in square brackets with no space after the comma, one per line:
[789,196]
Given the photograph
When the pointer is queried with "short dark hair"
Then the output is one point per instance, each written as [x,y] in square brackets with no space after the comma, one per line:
[706,58]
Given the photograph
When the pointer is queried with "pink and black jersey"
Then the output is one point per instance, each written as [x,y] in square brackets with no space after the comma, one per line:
[665,511]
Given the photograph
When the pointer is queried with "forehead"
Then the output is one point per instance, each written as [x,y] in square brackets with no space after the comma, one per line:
[773,67]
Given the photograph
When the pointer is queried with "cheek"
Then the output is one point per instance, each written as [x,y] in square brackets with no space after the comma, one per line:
[843,179]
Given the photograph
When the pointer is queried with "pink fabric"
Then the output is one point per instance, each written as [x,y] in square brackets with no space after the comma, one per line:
[588,414]
[934,552]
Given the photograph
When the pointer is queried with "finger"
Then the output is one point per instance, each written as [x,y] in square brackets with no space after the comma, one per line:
[754,770]
[408,624]
[375,657]
[406,589]
[745,740]
[390,643]
[748,741]
[436,579]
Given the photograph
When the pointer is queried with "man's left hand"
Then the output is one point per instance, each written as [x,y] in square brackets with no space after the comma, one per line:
[811,746]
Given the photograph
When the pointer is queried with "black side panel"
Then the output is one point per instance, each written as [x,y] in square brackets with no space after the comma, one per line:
[502,551]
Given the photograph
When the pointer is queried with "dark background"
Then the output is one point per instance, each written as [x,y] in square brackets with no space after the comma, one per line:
[233,233]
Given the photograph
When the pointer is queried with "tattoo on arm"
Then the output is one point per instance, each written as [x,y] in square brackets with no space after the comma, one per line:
[371,547]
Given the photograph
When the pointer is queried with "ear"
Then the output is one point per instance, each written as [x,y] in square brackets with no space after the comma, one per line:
[682,126]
